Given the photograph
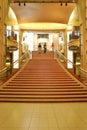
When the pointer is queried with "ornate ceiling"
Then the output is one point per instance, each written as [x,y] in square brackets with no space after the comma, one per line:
[44,1]
[42,11]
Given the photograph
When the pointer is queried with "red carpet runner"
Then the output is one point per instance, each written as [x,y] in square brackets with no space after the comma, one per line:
[43,80]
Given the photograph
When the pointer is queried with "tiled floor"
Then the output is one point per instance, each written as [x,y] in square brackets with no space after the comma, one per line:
[43,116]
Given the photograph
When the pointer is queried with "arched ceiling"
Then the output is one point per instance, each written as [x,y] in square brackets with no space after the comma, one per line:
[42,11]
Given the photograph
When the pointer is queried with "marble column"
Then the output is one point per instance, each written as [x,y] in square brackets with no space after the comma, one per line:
[3,12]
[83,9]
[20,44]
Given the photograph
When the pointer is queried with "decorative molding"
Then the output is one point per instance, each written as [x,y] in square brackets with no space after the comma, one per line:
[43,1]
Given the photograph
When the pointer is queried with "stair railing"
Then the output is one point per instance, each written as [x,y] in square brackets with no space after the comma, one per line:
[59,56]
[76,69]
[7,71]
[83,75]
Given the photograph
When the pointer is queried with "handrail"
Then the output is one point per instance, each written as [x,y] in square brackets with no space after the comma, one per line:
[65,60]
[83,70]
[5,72]
[82,74]
[64,57]
[3,69]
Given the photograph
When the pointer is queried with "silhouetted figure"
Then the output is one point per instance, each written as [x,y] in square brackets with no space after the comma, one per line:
[45,49]
[52,46]
[39,48]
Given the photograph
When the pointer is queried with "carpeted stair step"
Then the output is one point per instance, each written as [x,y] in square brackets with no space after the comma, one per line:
[60,96]
[43,78]
[33,90]
[44,93]
[44,84]
[46,100]
[34,98]
[47,55]
[43,90]
[42,100]
[42,81]
[43,87]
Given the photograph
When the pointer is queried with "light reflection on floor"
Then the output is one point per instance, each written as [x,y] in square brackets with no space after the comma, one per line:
[43,116]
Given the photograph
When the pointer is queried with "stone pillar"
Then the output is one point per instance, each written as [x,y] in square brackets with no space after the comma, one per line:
[35,43]
[55,40]
[3,10]
[65,43]
[83,8]
[20,44]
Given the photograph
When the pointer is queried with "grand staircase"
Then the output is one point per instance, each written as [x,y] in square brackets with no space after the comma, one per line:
[43,79]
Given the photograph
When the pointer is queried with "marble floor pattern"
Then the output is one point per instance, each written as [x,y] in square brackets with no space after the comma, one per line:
[43,116]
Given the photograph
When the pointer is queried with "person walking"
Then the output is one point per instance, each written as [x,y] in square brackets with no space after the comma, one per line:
[52,46]
[45,49]
[39,48]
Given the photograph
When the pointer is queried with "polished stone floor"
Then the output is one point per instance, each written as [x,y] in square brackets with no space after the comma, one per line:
[43,116]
